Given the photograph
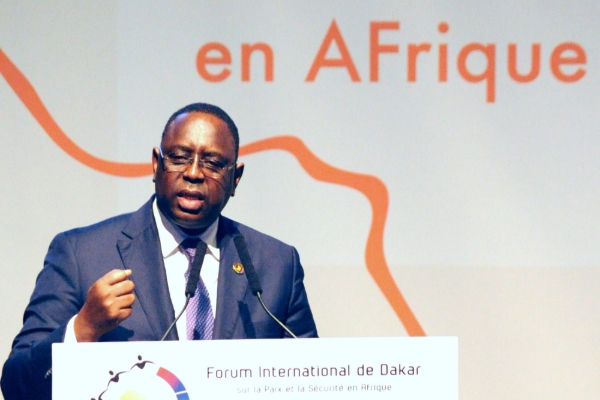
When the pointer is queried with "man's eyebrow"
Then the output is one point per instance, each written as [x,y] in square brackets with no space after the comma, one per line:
[182,148]
[204,154]
[213,154]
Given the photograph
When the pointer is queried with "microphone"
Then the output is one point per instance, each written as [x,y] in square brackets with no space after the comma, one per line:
[192,282]
[240,245]
[255,287]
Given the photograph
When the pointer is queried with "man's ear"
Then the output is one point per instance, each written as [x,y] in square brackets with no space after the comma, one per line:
[155,156]
[239,171]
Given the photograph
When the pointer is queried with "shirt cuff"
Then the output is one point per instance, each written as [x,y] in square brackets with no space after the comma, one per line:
[70,332]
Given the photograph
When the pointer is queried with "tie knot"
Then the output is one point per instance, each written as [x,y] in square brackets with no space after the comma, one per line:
[189,246]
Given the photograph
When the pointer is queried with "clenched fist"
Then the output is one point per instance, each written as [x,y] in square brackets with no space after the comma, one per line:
[108,302]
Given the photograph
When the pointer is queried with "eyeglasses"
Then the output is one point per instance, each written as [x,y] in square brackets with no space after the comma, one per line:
[180,162]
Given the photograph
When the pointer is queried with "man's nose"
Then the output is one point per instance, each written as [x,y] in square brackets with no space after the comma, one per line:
[194,170]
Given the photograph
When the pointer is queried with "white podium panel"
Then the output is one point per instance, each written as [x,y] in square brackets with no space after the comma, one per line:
[337,368]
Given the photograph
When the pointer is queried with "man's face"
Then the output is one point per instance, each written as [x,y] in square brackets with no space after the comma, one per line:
[190,199]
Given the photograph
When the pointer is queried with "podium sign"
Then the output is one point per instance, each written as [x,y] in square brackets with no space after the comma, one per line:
[336,368]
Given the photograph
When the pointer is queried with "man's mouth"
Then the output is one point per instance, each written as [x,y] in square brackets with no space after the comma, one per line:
[190,200]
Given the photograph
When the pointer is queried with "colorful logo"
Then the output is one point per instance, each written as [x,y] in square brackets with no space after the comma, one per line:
[144,381]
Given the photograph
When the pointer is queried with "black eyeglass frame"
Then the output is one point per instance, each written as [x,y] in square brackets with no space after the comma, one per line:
[208,169]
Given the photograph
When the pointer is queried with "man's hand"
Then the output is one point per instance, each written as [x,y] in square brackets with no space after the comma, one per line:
[108,302]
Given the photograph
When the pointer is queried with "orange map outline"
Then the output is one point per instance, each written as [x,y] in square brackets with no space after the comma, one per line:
[372,187]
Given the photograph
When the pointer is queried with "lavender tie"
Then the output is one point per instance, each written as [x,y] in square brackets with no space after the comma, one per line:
[199,316]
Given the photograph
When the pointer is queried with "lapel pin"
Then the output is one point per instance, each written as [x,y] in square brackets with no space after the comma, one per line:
[238,268]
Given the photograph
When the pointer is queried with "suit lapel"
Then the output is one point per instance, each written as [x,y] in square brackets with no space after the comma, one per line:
[140,251]
[232,286]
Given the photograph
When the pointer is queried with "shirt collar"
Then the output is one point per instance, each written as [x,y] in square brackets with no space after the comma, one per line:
[170,235]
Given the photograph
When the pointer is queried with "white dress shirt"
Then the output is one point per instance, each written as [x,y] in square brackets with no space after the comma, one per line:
[176,263]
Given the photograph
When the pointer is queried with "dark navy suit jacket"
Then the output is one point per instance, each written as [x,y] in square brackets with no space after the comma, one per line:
[77,258]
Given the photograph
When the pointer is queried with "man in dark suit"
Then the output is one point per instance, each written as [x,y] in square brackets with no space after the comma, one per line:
[123,279]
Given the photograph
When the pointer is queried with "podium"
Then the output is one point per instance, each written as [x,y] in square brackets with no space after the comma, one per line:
[335,368]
